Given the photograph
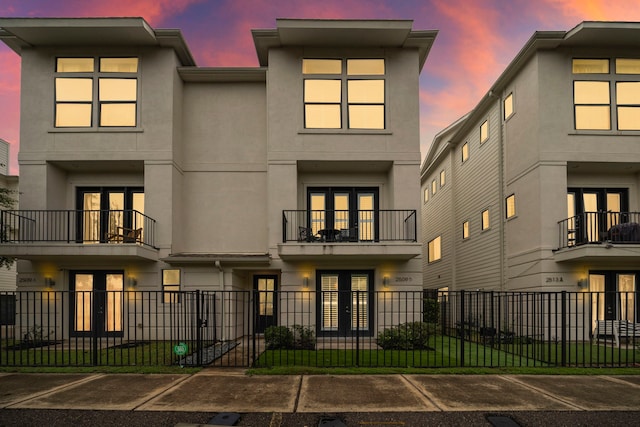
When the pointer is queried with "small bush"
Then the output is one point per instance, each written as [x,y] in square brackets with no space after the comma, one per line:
[406,336]
[278,337]
[303,338]
[430,310]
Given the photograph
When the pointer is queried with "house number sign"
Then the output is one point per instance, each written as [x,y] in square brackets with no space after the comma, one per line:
[403,279]
[554,279]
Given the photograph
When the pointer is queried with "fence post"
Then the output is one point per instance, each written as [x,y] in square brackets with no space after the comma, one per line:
[563,332]
[199,326]
[461,327]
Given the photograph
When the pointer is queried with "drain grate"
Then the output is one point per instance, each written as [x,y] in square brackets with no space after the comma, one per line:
[502,421]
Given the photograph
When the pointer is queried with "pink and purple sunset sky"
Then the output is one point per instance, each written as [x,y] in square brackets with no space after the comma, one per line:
[477,39]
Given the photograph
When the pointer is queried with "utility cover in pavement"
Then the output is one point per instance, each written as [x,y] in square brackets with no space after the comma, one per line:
[225,419]
[501,421]
[331,422]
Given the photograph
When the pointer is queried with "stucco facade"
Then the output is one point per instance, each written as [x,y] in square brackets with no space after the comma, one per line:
[561,192]
[217,162]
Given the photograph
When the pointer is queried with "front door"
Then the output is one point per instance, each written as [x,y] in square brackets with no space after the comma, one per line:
[345,302]
[96,303]
[266,301]
[613,295]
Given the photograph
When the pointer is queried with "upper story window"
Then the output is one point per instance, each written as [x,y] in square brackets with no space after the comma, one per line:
[434,187]
[90,91]
[603,98]
[465,152]
[344,93]
[510,206]
[484,222]
[484,131]
[442,178]
[508,106]
[434,249]
[426,194]
[465,230]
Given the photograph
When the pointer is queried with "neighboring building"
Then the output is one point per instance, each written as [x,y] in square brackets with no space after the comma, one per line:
[10,182]
[139,168]
[537,188]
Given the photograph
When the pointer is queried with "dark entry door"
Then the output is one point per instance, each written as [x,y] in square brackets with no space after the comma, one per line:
[96,303]
[266,302]
[345,302]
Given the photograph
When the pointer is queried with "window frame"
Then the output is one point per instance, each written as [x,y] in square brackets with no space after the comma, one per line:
[485,222]
[507,212]
[98,100]
[434,187]
[484,131]
[464,151]
[171,296]
[426,194]
[615,78]
[442,178]
[346,105]
[465,230]
[434,255]
[509,98]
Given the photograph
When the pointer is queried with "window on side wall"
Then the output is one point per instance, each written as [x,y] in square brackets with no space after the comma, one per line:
[465,152]
[434,249]
[434,187]
[426,194]
[442,178]
[508,106]
[171,286]
[465,230]
[485,220]
[96,92]
[510,206]
[341,93]
[484,131]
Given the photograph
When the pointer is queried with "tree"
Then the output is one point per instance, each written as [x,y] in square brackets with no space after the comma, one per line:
[7,201]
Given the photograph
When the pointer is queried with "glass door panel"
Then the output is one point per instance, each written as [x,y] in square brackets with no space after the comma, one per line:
[626,289]
[341,208]
[266,303]
[113,302]
[318,206]
[571,215]
[614,207]
[83,302]
[590,203]
[115,224]
[90,217]
[366,216]
[359,302]
[329,307]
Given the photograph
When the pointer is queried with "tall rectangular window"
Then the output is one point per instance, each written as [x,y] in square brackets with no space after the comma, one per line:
[434,187]
[90,91]
[426,194]
[592,105]
[465,152]
[510,206]
[508,106]
[434,249]
[442,178]
[171,286]
[484,131]
[465,230]
[485,219]
[350,91]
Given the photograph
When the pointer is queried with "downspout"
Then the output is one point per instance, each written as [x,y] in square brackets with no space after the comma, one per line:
[223,296]
[503,220]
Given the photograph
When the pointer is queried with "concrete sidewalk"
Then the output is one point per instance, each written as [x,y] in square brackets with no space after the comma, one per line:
[224,390]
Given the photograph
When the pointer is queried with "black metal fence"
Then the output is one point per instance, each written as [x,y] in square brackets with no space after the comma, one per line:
[324,329]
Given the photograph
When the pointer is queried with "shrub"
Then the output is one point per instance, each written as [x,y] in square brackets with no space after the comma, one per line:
[406,336]
[278,337]
[303,338]
[430,310]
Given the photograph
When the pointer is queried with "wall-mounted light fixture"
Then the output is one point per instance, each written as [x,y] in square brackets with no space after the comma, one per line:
[49,282]
[583,283]
[132,282]
[385,281]
[305,282]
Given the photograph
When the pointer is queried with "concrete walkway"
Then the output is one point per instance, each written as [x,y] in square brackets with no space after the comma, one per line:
[224,390]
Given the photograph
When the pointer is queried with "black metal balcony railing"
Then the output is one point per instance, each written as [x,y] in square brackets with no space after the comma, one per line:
[599,227]
[349,226]
[77,226]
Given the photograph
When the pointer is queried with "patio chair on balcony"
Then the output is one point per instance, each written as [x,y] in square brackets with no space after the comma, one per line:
[125,235]
[348,235]
[306,235]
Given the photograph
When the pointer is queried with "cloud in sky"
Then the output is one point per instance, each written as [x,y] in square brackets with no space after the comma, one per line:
[476,40]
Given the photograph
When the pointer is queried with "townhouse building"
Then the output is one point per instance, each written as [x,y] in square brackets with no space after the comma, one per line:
[142,171]
[537,188]
[9,182]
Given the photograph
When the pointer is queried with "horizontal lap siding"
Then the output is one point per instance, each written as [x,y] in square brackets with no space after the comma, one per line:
[477,187]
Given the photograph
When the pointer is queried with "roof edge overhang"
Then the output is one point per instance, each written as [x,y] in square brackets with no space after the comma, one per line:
[21,33]
[259,259]
[342,32]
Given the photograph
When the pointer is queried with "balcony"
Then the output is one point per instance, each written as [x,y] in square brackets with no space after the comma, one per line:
[603,236]
[382,234]
[51,234]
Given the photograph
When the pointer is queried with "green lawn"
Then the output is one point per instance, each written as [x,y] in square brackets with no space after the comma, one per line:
[450,352]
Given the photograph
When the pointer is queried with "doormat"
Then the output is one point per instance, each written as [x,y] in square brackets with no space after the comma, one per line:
[209,354]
